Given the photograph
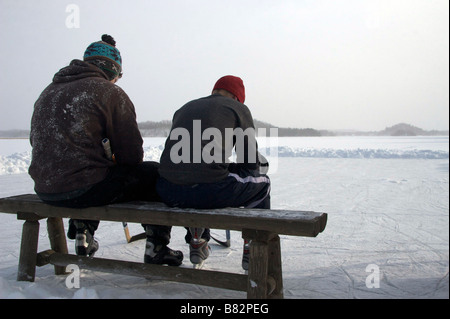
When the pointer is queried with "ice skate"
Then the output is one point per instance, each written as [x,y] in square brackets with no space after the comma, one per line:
[198,248]
[246,254]
[85,244]
[161,255]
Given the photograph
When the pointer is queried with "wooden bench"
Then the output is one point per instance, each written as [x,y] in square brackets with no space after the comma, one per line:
[264,278]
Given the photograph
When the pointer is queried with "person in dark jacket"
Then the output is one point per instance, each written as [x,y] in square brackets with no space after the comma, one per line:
[195,169]
[86,145]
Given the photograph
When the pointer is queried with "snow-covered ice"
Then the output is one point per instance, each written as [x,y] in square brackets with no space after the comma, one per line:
[387,200]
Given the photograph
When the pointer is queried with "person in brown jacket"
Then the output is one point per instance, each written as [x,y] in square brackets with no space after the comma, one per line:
[76,119]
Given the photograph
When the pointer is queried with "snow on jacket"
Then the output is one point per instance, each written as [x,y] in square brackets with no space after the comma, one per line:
[71,117]
[189,163]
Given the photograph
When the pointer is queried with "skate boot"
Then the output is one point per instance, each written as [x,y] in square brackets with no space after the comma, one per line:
[85,244]
[156,250]
[162,255]
[198,248]
[246,254]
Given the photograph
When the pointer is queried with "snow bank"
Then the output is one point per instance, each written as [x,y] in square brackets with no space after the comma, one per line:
[18,163]
[285,151]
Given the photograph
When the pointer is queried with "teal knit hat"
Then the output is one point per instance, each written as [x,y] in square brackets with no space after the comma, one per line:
[107,53]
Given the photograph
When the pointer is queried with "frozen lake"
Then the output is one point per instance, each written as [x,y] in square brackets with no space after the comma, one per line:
[388,205]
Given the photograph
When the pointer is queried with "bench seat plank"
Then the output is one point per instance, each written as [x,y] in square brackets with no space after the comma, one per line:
[286,222]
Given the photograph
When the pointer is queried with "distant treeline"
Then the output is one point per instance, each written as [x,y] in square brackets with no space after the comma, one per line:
[401,129]
[287,131]
[15,134]
[155,129]
[162,129]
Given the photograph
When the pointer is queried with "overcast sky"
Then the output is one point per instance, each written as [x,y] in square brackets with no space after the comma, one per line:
[323,64]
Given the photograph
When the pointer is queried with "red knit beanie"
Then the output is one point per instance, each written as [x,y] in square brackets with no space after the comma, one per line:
[232,84]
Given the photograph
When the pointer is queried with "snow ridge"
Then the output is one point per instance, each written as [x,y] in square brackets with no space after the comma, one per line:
[285,151]
[18,163]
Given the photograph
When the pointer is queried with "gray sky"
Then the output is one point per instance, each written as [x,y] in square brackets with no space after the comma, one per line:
[323,64]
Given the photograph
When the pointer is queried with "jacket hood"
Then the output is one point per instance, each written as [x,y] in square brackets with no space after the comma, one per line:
[77,70]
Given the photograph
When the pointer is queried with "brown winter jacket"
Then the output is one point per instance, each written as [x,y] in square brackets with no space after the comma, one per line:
[71,117]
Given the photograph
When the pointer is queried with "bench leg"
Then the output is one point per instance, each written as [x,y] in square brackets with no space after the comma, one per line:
[258,270]
[275,267]
[264,273]
[58,243]
[28,251]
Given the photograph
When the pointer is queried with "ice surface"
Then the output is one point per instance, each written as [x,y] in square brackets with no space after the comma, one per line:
[389,213]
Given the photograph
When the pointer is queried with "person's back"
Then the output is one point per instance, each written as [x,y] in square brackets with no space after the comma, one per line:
[71,118]
[213,119]
[87,148]
[195,171]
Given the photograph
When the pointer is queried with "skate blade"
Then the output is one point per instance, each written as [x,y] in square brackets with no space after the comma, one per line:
[199,265]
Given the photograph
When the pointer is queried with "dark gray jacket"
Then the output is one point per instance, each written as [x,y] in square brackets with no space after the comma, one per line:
[202,140]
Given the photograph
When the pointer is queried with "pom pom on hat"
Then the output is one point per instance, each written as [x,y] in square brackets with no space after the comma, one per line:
[232,84]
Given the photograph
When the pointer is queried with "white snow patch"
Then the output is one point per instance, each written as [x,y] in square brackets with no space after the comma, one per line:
[16,163]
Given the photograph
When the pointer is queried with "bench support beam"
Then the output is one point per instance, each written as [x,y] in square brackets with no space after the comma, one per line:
[152,272]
